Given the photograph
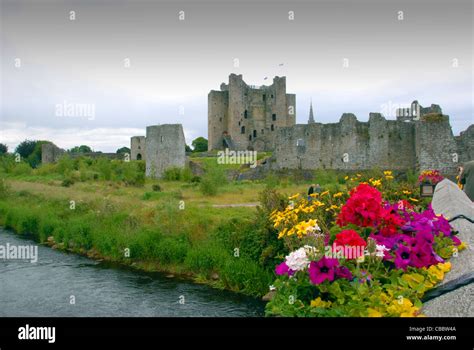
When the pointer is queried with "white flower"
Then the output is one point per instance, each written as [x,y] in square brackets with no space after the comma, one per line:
[297,260]
[314,228]
[380,250]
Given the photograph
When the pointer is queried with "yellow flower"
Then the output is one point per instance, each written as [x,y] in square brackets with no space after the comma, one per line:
[346,177]
[294,196]
[320,303]
[338,194]
[388,177]
[384,298]
[324,193]
[376,183]
[406,192]
[373,313]
[445,267]
[358,175]
[414,199]
[435,272]
[313,195]
[387,172]
[413,279]
[403,307]
[462,246]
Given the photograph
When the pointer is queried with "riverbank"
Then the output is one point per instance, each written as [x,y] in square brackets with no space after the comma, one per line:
[218,246]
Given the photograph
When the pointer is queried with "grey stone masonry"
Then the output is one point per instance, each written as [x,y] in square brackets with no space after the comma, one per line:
[165,148]
[137,148]
[421,143]
[450,201]
[50,153]
[249,116]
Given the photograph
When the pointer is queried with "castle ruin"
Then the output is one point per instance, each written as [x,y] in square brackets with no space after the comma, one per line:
[412,141]
[246,117]
[258,118]
[137,148]
[164,148]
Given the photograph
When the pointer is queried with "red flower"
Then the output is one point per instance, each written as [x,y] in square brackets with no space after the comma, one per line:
[363,208]
[390,222]
[349,237]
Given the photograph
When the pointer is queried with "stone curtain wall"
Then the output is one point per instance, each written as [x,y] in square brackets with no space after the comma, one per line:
[165,148]
[387,144]
[435,146]
[391,143]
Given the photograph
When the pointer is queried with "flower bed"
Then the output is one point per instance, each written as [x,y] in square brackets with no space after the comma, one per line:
[431,177]
[357,254]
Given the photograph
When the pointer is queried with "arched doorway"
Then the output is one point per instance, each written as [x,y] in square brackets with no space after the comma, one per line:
[139,156]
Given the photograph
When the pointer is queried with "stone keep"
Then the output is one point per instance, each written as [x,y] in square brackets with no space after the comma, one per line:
[137,148]
[165,148]
[242,116]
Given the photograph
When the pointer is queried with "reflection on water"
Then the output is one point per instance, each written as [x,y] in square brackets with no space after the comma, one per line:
[47,287]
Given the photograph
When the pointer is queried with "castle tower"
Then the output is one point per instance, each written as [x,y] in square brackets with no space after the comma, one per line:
[165,148]
[311,116]
[137,148]
[242,116]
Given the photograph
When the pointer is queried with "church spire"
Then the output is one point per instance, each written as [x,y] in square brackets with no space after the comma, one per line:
[311,116]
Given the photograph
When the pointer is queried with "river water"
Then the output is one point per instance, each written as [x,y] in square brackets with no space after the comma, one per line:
[62,284]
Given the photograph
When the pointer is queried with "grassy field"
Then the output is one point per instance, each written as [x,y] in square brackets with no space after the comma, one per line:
[108,210]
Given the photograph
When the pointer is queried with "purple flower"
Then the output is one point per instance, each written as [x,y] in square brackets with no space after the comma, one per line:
[324,269]
[421,255]
[435,258]
[366,277]
[343,272]
[283,269]
[402,257]
[456,240]
[424,238]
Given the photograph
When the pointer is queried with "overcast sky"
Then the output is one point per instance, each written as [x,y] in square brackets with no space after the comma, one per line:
[135,63]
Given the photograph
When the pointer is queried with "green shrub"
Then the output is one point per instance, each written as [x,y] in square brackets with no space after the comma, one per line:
[213,178]
[170,250]
[21,168]
[172,174]
[271,180]
[67,182]
[206,257]
[147,196]
[135,175]
[156,188]
[104,168]
[4,188]
[246,276]
[65,165]
[28,224]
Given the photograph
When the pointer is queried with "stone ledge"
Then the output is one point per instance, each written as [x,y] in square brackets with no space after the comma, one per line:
[449,200]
